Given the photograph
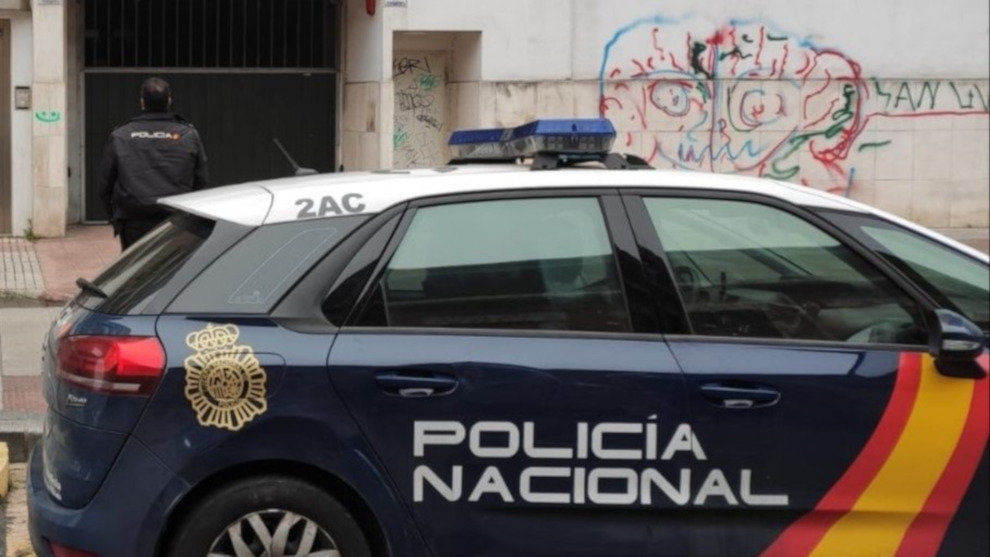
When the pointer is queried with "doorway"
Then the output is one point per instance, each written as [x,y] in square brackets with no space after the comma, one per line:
[5,160]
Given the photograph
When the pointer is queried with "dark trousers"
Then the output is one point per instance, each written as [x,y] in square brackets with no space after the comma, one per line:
[132,230]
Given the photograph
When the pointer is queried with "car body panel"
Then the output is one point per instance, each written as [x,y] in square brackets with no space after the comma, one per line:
[85,430]
[304,420]
[839,443]
[138,478]
[554,384]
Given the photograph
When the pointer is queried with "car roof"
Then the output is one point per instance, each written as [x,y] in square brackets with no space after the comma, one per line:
[278,200]
[355,193]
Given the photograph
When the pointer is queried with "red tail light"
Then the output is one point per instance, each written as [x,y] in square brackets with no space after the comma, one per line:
[116,365]
[59,550]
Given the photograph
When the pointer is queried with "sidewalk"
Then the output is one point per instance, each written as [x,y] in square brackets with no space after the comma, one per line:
[47,269]
[37,279]
[83,252]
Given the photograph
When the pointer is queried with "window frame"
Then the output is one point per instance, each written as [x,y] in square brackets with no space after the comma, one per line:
[666,291]
[625,256]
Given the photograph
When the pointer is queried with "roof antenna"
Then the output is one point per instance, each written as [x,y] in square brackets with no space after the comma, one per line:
[296,169]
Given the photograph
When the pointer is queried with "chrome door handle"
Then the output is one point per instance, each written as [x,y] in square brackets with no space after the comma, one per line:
[415,384]
[416,392]
[740,396]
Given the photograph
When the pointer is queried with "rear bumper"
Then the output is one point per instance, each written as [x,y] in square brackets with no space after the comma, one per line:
[125,516]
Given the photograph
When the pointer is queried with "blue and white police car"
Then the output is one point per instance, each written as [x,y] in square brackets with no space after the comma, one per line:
[483,359]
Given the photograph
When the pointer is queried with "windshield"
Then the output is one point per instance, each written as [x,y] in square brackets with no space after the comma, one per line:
[957,280]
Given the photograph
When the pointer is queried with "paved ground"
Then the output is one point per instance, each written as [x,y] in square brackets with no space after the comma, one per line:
[47,269]
[83,252]
[20,273]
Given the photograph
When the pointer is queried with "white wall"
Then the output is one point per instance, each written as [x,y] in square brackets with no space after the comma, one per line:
[892,38]
[885,101]
[21,64]
[556,39]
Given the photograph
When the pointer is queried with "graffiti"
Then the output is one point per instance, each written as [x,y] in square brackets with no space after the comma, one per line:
[399,138]
[873,144]
[746,97]
[406,64]
[427,82]
[411,100]
[48,116]
[420,104]
[430,121]
[908,96]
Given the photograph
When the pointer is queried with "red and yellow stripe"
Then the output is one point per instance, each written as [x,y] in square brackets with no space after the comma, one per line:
[902,490]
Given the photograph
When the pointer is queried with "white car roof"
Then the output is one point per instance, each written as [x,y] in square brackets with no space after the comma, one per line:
[355,193]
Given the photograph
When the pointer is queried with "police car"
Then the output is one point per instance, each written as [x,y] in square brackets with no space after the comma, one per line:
[483,359]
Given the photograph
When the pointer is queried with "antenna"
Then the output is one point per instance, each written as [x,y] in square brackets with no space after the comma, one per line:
[296,169]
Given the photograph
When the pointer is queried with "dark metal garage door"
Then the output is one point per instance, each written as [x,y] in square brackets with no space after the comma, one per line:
[243,71]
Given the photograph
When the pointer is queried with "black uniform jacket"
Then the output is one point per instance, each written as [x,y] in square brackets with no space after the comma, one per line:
[153,155]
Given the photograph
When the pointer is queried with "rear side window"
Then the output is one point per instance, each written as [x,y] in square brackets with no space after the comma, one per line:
[750,270]
[254,274]
[144,269]
[512,264]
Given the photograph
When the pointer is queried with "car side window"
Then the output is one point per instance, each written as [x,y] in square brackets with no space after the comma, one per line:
[503,264]
[750,270]
[962,281]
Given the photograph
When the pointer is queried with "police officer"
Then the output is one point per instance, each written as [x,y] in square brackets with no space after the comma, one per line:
[153,155]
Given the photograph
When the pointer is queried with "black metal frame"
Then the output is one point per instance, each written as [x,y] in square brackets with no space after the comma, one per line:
[210,34]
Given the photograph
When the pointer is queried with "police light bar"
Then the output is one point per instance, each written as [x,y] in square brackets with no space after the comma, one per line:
[571,139]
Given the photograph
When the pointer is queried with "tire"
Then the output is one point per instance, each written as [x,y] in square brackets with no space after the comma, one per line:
[268,512]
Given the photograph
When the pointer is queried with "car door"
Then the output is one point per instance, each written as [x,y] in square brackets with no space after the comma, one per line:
[824,424]
[502,366]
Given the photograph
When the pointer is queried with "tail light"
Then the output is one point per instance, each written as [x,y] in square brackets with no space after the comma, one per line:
[109,364]
[59,550]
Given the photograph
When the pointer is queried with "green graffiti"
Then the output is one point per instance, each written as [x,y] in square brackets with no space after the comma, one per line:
[48,116]
[696,49]
[399,138]
[427,82]
[873,144]
[705,95]
[840,118]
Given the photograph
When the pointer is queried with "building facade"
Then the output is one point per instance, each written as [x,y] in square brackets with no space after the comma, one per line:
[884,101]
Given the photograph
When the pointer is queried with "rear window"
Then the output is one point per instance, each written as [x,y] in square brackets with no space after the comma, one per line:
[140,273]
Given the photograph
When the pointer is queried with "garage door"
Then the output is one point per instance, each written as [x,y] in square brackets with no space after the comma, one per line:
[244,72]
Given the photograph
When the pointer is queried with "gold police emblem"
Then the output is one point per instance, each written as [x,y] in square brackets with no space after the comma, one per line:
[225,383]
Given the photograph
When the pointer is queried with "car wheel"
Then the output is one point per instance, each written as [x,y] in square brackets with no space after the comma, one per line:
[273,516]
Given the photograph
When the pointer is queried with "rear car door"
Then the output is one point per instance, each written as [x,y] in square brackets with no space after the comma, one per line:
[824,423]
[503,369]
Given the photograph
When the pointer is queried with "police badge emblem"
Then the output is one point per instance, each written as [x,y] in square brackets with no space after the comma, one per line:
[225,383]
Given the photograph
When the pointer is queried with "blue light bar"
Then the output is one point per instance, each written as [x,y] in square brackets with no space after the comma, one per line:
[571,139]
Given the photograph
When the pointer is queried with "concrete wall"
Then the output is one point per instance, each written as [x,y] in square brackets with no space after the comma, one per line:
[21,74]
[884,101]
[49,171]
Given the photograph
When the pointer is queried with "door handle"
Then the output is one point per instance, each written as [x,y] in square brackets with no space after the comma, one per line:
[739,396]
[415,385]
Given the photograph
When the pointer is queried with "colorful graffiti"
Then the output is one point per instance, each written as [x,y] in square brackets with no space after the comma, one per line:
[749,98]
